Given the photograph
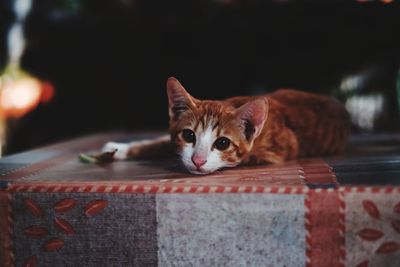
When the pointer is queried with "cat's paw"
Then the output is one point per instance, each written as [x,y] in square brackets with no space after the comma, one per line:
[122,149]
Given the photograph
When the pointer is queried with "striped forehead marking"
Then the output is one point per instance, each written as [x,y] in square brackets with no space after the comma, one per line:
[207,121]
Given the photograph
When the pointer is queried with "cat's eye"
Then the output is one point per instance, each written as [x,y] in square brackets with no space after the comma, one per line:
[189,136]
[222,143]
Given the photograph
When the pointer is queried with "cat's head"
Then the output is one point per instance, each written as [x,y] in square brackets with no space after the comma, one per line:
[210,135]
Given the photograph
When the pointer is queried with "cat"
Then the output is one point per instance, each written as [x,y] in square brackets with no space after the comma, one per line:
[209,135]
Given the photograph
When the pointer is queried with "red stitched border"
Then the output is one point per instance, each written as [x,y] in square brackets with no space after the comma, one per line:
[165,187]
[153,188]
[324,245]
[342,228]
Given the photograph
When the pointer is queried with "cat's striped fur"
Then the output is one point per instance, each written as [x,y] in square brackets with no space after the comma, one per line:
[272,128]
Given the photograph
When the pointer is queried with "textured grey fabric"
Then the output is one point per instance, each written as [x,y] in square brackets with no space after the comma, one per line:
[121,234]
[231,230]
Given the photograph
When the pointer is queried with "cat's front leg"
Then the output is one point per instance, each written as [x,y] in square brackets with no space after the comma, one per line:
[122,149]
[161,147]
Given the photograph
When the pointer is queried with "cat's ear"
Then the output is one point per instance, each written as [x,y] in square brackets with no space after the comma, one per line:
[252,117]
[178,99]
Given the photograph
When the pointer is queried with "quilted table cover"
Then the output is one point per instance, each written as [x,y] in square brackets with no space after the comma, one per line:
[57,211]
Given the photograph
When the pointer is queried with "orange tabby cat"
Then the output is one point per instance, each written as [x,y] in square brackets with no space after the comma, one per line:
[209,135]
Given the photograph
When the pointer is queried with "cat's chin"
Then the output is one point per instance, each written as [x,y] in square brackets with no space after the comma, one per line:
[196,172]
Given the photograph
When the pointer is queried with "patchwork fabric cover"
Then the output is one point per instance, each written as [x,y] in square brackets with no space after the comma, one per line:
[57,211]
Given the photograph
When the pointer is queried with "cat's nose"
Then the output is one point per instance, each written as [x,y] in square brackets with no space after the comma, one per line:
[198,161]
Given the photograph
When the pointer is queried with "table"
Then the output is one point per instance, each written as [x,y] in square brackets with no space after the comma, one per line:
[340,211]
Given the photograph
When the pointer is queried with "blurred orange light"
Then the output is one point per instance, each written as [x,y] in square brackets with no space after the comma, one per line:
[20,93]
[19,96]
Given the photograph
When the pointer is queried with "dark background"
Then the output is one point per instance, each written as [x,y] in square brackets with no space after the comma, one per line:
[109,60]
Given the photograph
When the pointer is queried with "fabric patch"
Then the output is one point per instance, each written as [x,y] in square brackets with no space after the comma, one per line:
[230,230]
[372,229]
[325,224]
[70,229]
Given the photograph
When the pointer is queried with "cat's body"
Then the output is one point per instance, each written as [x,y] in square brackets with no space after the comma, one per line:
[209,135]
